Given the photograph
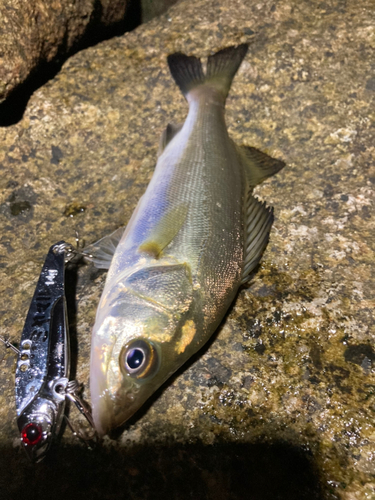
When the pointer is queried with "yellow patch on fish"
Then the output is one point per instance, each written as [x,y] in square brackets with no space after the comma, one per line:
[188,333]
[153,332]
[151,248]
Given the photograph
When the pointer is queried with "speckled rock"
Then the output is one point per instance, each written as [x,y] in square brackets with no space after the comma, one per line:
[281,403]
[153,8]
[36,31]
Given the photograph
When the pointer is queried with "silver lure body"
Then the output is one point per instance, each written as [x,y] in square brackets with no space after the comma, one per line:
[43,359]
[182,257]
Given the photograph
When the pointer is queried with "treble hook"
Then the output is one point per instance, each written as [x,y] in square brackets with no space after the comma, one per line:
[80,244]
[8,345]
[70,250]
[72,392]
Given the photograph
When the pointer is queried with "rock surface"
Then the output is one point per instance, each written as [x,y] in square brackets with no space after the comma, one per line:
[281,402]
[36,31]
[152,8]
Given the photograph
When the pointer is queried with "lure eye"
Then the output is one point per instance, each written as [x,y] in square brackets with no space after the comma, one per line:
[31,434]
[138,359]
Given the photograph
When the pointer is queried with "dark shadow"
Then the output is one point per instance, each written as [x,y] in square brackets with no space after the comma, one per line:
[12,110]
[254,471]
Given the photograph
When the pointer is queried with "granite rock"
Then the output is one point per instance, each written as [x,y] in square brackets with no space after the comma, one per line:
[281,402]
[36,31]
[152,8]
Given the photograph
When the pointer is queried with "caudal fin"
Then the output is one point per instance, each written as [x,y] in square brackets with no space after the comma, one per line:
[188,73]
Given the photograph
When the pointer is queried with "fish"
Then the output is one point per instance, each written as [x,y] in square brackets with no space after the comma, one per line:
[42,383]
[194,238]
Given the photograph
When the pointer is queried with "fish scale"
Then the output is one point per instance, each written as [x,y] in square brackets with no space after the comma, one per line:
[202,163]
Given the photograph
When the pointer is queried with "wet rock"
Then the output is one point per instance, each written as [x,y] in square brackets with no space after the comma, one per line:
[89,138]
[37,31]
[152,8]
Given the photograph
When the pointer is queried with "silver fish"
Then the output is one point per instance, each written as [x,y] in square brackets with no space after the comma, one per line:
[195,236]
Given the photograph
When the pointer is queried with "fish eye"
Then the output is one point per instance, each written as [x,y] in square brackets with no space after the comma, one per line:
[135,358]
[138,359]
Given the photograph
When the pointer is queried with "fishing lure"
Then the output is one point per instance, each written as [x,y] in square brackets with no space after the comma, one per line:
[42,382]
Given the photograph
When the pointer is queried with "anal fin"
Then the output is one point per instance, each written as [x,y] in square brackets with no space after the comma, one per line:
[258,222]
[257,165]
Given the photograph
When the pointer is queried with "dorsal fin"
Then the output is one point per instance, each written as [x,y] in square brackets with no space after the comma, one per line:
[169,132]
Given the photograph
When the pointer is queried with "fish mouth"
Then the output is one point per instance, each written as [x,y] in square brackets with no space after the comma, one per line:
[110,415]
[112,403]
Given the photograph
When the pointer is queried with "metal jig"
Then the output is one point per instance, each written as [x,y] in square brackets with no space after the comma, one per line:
[42,382]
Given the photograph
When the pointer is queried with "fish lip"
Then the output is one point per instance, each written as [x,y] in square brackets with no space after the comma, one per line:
[109,414]
[110,409]
[101,424]
[100,355]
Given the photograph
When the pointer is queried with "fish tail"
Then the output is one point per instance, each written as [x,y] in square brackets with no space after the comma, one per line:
[188,73]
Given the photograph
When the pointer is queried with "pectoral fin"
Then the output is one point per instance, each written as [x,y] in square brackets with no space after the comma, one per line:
[258,220]
[164,231]
[257,165]
[102,251]
[169,132]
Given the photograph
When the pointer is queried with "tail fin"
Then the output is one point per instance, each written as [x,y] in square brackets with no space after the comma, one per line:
[221,68]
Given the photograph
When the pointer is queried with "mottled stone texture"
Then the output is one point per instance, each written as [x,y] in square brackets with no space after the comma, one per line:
[153,8]
[281,403]
[35,31]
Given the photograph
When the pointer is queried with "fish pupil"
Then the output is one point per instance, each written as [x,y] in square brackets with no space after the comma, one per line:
[135,358]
